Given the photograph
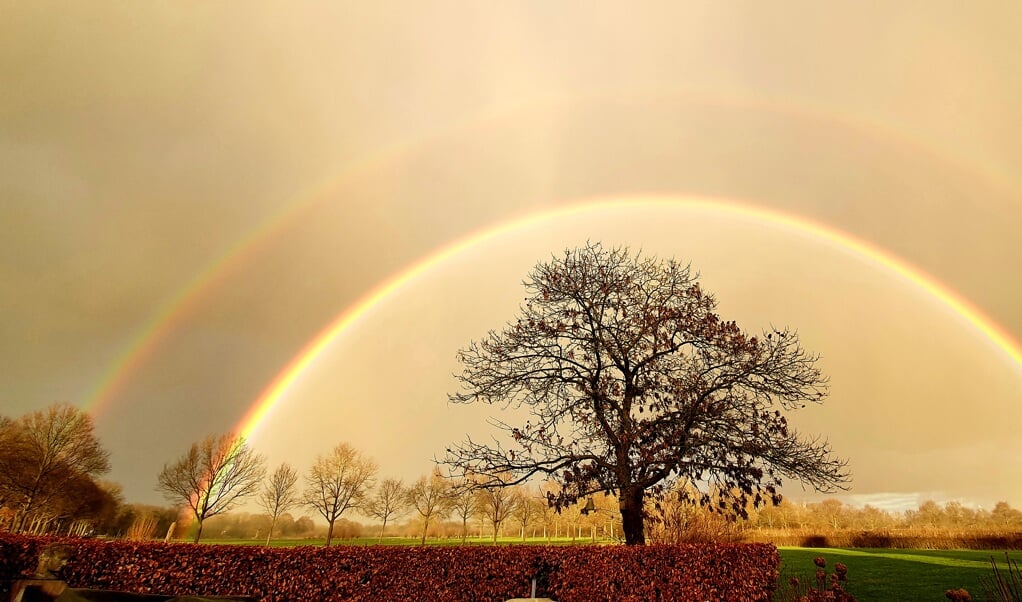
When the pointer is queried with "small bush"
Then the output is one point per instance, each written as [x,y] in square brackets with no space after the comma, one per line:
[821,586]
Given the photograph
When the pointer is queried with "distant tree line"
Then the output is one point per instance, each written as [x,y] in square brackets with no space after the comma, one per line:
[51,461]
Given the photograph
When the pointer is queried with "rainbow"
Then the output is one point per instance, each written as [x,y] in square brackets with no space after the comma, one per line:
[278,388]
[176,310]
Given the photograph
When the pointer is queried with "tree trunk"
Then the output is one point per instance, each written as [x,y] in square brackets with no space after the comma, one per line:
[329,534]
[631,516]
[269,534]
[382,529]
[198,532]
[425,527]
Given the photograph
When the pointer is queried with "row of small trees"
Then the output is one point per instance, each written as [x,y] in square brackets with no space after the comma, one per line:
[669,519]
[214,475]
[50,461]
[530,517]
[832,514]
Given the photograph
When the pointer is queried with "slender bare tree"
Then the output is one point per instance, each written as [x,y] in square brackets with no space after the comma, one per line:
[465,504]
[338,482]
[526,508]
[212,476]
[390,501]
[497,503]
[279,495]
[430,497]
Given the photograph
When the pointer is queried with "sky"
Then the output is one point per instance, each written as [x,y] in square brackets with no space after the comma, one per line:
[192,193]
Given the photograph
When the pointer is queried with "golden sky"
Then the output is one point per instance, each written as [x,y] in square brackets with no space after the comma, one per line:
[322,150]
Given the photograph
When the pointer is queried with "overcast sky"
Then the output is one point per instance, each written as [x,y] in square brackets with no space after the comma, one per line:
[325,149]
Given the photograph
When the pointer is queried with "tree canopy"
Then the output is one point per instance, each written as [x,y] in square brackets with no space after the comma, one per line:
[337,482]
[48,462]
[633,382]
[278,495]
[213,476]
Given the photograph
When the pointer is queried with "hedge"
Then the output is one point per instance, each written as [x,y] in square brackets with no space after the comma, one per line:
[476,573]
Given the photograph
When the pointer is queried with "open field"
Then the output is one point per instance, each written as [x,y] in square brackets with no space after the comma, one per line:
[902,575]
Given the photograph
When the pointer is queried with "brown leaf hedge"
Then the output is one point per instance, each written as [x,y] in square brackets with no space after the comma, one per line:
[740,572]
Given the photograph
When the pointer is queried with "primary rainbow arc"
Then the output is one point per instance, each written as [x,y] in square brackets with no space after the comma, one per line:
[278,388]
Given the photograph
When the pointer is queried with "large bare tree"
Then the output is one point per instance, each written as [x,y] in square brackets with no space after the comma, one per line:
[431,498]
[338,482]
[44,455]
[212,476]
[279,494]
[633,381]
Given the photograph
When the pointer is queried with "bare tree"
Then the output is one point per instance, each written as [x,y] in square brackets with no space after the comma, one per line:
[338,482]
[546,513]
[279,495]
[1004,516]
[390,501]
[633,381]
[212,476]
[526,509]
[465,503]
[431,498]
[497,504]
[44,453]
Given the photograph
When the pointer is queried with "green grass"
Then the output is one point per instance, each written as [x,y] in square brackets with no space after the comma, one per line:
[901,575]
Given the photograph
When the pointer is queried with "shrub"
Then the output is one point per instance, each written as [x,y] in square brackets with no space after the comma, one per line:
[822,586]
[566,573]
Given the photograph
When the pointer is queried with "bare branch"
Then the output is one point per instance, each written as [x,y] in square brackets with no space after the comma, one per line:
[213,476]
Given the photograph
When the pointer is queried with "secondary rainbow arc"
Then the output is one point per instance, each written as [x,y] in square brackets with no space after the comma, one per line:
[286,378]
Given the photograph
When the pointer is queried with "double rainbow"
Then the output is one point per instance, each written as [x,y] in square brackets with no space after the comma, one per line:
[176,310]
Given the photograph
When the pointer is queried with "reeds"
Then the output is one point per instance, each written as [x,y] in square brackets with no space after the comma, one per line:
[1003,585]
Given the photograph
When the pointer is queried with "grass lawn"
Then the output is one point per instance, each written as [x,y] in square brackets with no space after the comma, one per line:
[902,575]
